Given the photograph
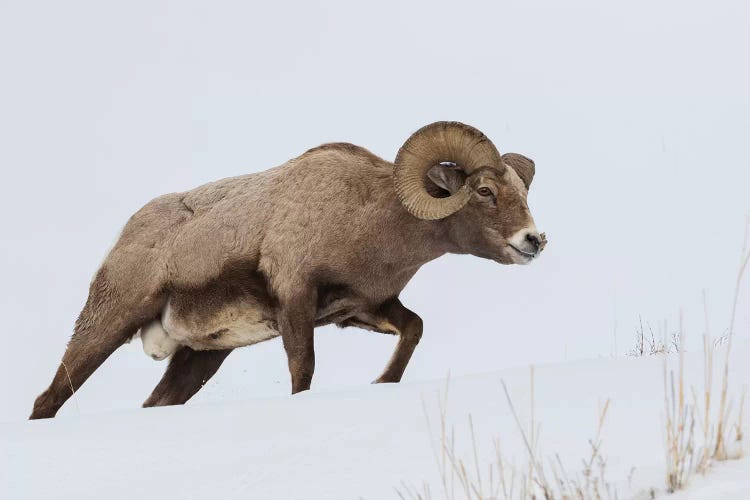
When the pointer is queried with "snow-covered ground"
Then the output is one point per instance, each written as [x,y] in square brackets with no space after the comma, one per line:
[729,481]
[363,442]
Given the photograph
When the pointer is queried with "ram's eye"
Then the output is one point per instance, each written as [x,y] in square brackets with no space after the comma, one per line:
[484,191]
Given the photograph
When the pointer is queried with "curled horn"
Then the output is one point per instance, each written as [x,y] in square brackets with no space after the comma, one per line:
[437,143]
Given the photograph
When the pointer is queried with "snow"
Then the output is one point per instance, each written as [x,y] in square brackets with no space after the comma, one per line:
[730,481]
[362,442]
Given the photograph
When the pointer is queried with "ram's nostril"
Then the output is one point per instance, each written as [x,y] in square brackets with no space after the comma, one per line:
[534,240]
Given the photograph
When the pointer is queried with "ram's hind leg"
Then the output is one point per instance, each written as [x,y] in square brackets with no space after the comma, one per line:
[110,317]
[188,371]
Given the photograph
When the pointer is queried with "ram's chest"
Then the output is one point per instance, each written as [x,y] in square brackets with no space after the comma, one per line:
[378,284]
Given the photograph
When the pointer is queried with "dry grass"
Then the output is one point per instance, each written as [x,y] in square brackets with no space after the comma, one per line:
[720,450]
[72,389]
[679,427]
[501,479]
[720,439]
[648,344]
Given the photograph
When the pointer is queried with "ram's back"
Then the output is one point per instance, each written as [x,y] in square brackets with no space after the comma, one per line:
[327,194]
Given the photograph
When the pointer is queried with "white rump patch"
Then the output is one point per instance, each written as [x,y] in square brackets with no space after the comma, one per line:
[156,342]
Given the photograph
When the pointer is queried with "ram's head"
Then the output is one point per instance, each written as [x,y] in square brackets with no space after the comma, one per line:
[451,171]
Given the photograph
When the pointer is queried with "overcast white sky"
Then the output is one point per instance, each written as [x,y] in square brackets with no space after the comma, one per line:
[638,116]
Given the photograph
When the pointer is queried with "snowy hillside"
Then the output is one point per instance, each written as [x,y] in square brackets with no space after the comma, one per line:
[363,442]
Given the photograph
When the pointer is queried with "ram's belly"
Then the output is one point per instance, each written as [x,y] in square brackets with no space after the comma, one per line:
[232,335]
[230,327]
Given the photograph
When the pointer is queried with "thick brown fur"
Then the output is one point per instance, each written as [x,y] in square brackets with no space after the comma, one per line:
[320,239]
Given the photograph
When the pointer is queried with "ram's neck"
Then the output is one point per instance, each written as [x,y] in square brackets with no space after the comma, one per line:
[412,241]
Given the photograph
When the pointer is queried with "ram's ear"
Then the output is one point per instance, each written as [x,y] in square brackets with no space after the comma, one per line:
[523,166]
[447,177]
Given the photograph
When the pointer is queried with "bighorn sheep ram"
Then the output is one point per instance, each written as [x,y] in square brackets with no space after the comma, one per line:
[332,236]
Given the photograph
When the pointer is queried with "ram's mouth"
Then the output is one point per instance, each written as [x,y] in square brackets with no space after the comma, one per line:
[525,255]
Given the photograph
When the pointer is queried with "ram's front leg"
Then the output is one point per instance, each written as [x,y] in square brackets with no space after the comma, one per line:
[393,317]
[296,322]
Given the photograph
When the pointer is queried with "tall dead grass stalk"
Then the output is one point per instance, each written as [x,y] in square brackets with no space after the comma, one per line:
[720,451]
